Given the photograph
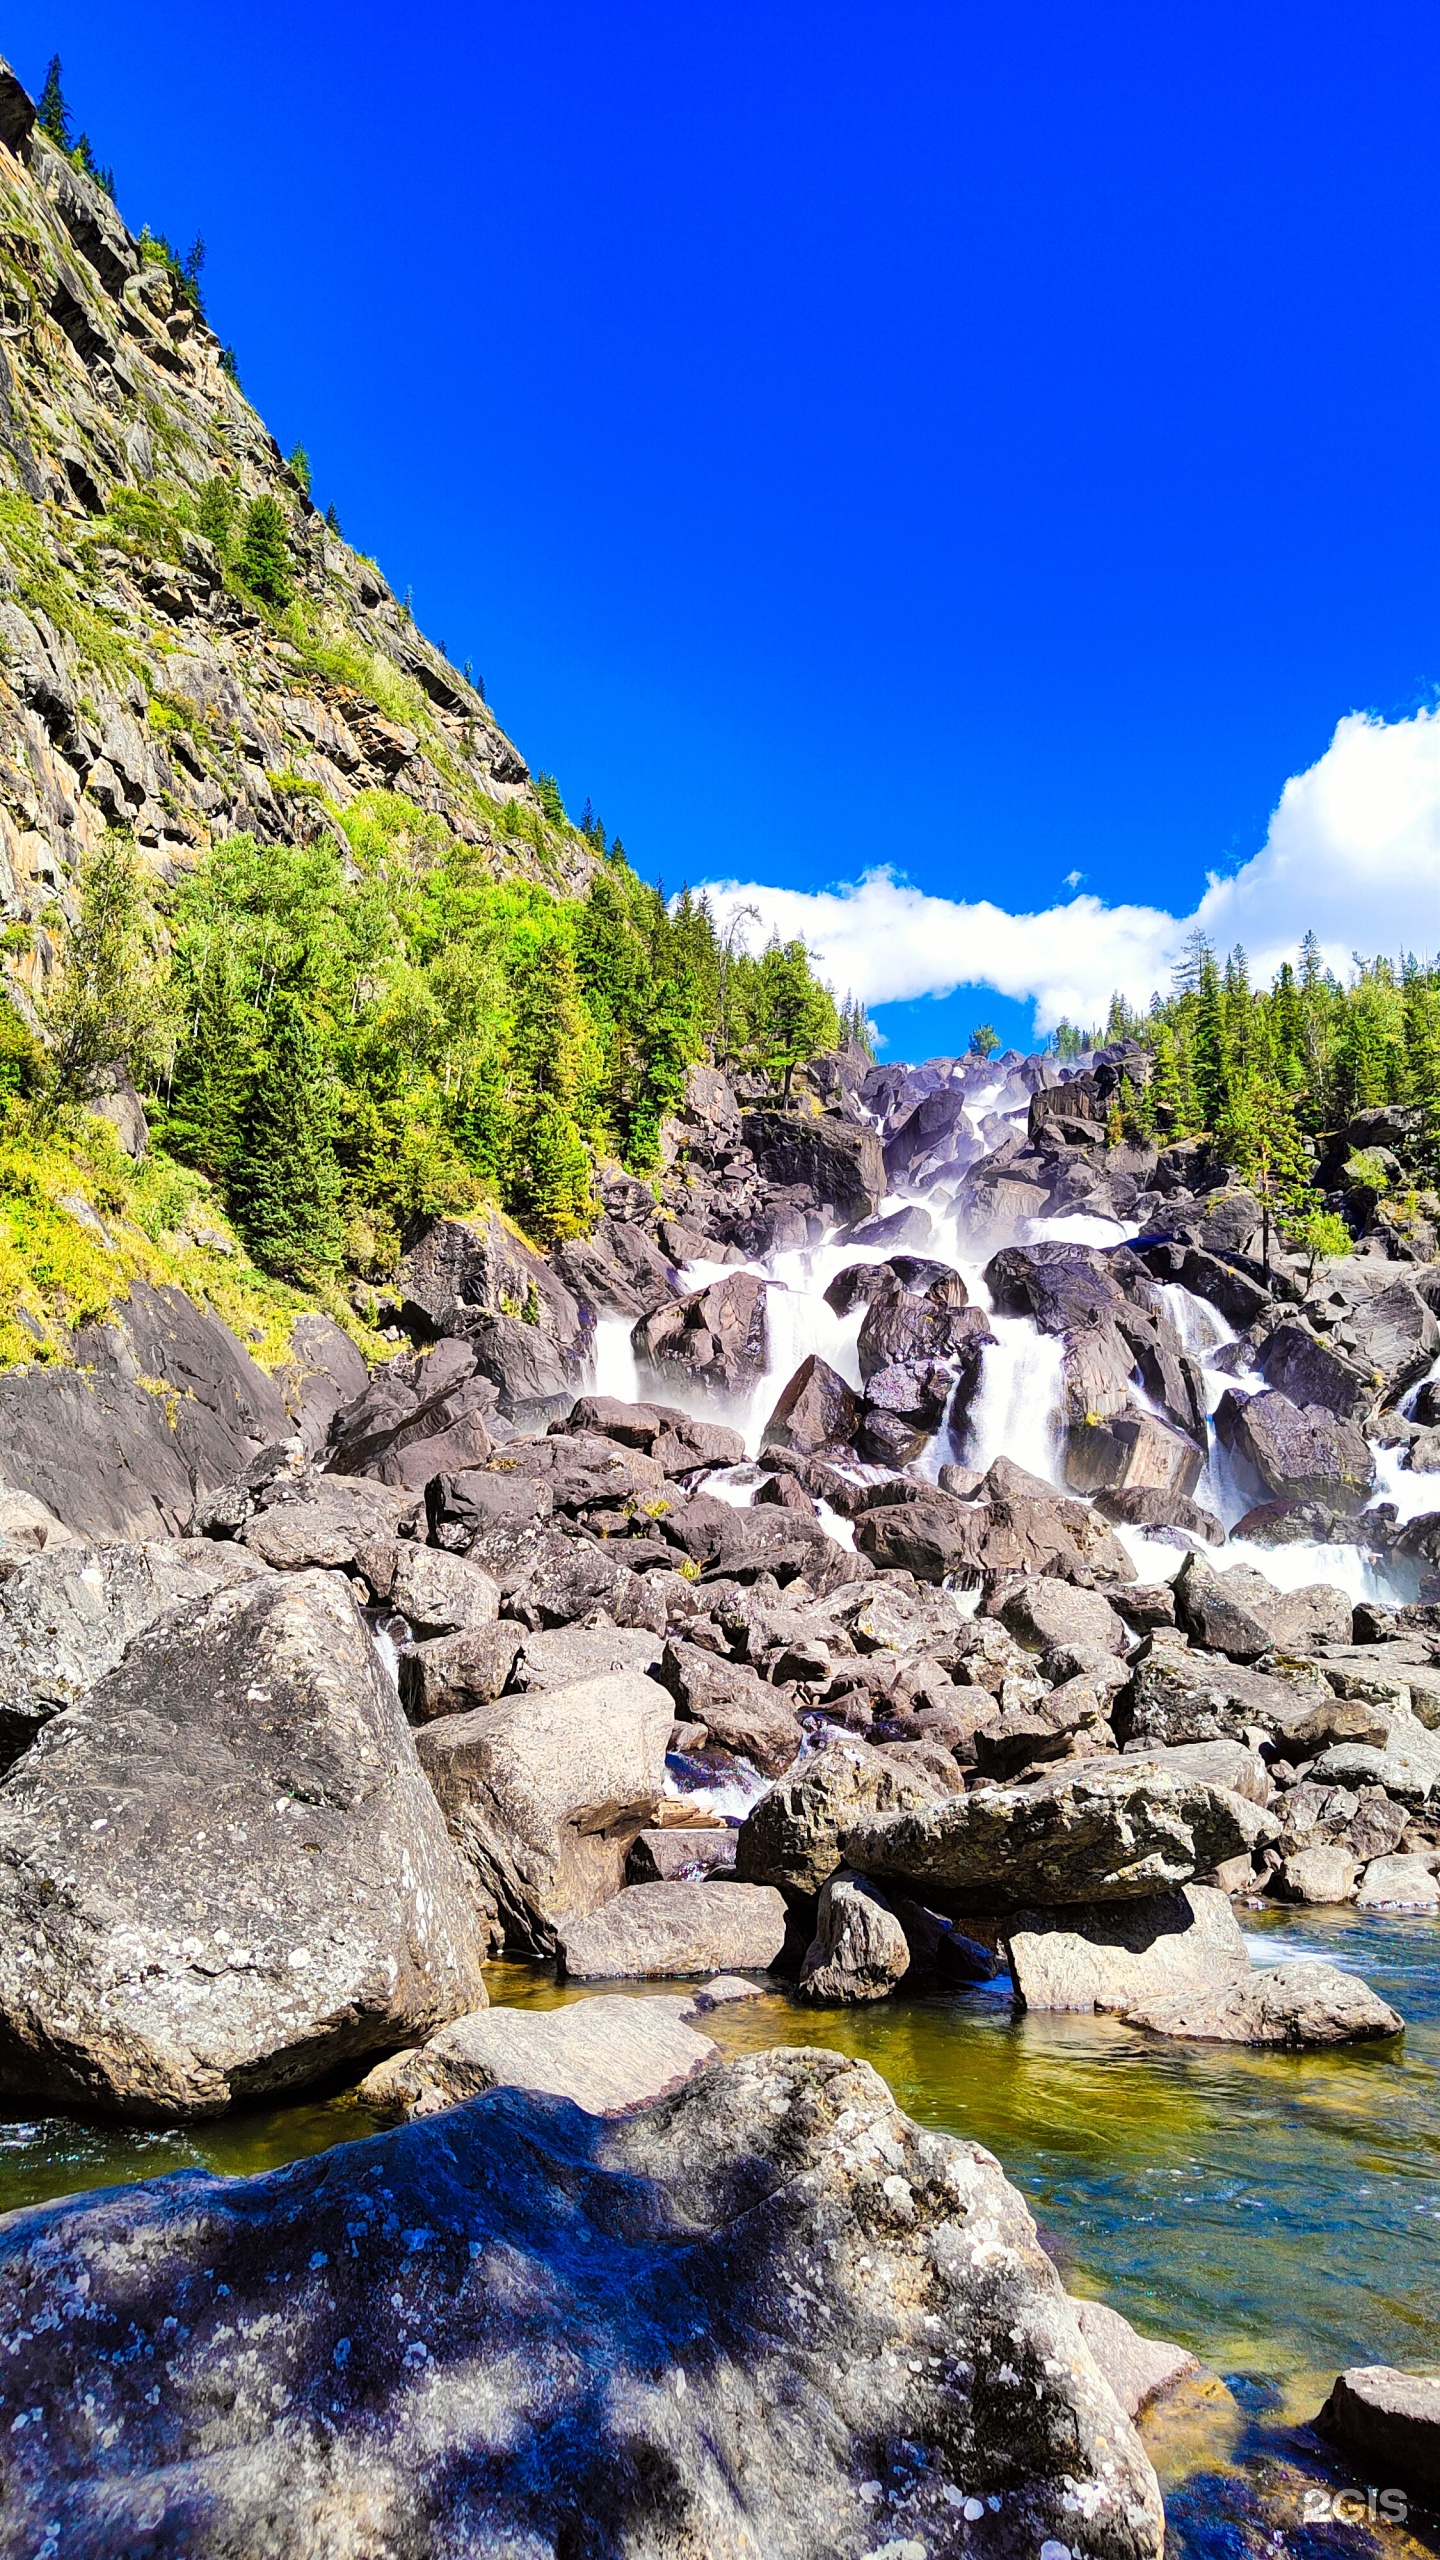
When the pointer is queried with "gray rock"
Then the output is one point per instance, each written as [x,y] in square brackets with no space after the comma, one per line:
[791,1837]
[96,1451]
[435,1593]
[860,1950]
[257,1885]
[1388,2422]
[666,1930]
[307,1520]
[1050,1616]
[603,2261]
[448,1675]
[740,1711]
[1223,1763]
[839,1161]
[545,1794]
[224,1407]
[556,1657]
[816,1410]
[1096,1832]
[1112,1957]
[1299,1454]
[1284,2004]
[461,1271]
[326,1374]
[618,1267]
[68,1613]
[1324,1873]
[677,1855]
[1398,1884]
[739,1545]
[1138,2370]
[1239,1613]
[717,1336]
[605,2053]
[1175,1696]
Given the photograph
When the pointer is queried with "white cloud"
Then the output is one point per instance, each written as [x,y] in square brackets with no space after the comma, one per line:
[1353,849]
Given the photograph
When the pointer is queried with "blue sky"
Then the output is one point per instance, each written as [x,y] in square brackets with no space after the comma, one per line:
[995,445]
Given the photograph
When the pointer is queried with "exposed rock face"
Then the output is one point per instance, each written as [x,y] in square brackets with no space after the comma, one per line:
[257,1885]
[463,1270]
[1299,1454]
[792,1837]
[859,1950]
[1094,1834]
[67,1617]
[545,1793]
[97,1452]
[1127,1952]
[816,1410]
[674,1929]
[603,2054]
[1388,2422]
[420,1416]
[1286,2004]
[604,2261]
[838,1161]
[717,1337]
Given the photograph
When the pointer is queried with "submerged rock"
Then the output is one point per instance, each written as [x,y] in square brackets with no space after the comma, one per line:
[1139,2370]
[1287,2004]
[223,1872]
[729,2323]
[1389,2422]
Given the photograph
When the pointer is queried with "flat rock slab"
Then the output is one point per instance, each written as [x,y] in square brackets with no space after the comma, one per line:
[1126,1952]
[1388,2421]
[608,2052]
[1285,2004]
[479,2326]
[223,1872]
[1106,1834]
[655,1931]
[1137,2369]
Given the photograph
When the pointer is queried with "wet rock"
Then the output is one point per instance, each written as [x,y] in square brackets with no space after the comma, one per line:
[1112,1957]
[1121,1452]
[791,1838]
[1398,1884]
[911,1229]
[859,1950]
[664,1930]
[258,1886]
[1388,2422]
[603,2054]
[718,1337]
[816,1410]
[544,1795]
[551,2250]
[1284,2004]
[1139,2370]
[840,1162]
[740,1711]
[1301,1455]
[679,1856]
[448,1675]
[67,1614]
[1095,1833]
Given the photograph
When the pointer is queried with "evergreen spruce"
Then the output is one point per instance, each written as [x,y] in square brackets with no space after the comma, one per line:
[53,115]
[263,560]
[286,1184]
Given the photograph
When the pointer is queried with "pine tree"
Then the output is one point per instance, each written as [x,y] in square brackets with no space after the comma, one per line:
[984,1040]
[1160,1106]
[797,1016]
[263,560]
[286,1185]
[207,1099]
[1210,1066]
[53,115]
[333,521]
[108,1006]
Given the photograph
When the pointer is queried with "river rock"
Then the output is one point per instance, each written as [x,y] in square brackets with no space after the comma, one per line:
[739,1545]
[1100,1833]
[304,1520]
[556,1657]
[859,1950]
[1239,1613]
[68,1613]
[658,1427]
[544,1795]
[1285,2004]
[603,2261]
[435,1593]
[460,1272]
[257,1885]
[1389,2424]
[1323,1873]
[1110,1958]
[740,1711]
[666,1930]
[1223,1763]
[1398,1884]
[677,1855]
[791,1838]
[603,2054]
[816,1410]
[1055,1617]
[448,1675]
[1139,2370]
[1175,1696]
[839,1161]
[1310,1372]
[1300,1454]
[717,1336]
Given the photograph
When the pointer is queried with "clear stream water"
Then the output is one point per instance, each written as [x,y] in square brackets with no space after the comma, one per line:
[1279,2215]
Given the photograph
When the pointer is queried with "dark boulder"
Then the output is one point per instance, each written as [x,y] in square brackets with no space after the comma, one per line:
[222,1407]
[840,1162]
[841,2294]
[1310,1373]
[420,1416]
[619,1268]
[718,1336]
[96,1451]
[326,1374]
[1131,1451]
[816,1410]
[1299,1454]
[459,1269]
[677,1440]
[534,1374]
[258,1886]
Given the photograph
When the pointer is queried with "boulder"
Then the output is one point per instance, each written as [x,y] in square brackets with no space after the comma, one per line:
[421,1416]
[839,1161]
[222,1408]
[1174,1696]
[619,1268]
[740,1711]
[512,2378]
[435,1593]
[740,1545]
[1399,1884]
[1168,1516]
[532,1374]
[68,1613]
[859,1950]
[257,1883]
[1388,2423]
[1111,1957]
[1299,1454]
[669,1930]
[676,1855]
[603,2054]
[1284,2004]
[817,1410]
[556,1657]
[544,1795]
[460,1270]
[448,1675]
[463,1511]
[1092,1832]
[1324,1873]
[325,1375]
[658,1427]
[718,1336]
[1223,1763]
[98,1452]
[1131,1451]
[1054,1617]
[791,1838]
[1309,1372]
[1138,2370]
[306,1520]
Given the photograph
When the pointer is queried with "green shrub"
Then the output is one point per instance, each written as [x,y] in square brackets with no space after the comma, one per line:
[262,562]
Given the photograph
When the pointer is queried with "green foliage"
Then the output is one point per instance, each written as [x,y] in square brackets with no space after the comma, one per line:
[984,1040]
[262,562]
[53,115]
[1365,1170]
[230,365]
[109,1008]
[548,791]
[285,1181]
[298,466]
[22,1060]
[218,513]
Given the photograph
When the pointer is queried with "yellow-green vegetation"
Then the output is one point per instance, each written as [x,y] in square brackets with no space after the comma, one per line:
[79,1223]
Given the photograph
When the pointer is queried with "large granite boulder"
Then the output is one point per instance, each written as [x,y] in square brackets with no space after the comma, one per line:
[767,2314]
[859,1950]
[791,1838]
[1284,2004]
[1239,1613]
[1121,1953]
[1086,1832]
[67,1615]
[223,1873]
[545,1793]
[603,2053]
[740,1545]
[1298,1453]
[1176,1696]
[740,1711]
[667,1930]
[1020,1526]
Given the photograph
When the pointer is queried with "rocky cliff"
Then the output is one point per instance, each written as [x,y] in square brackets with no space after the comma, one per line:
[141,683]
